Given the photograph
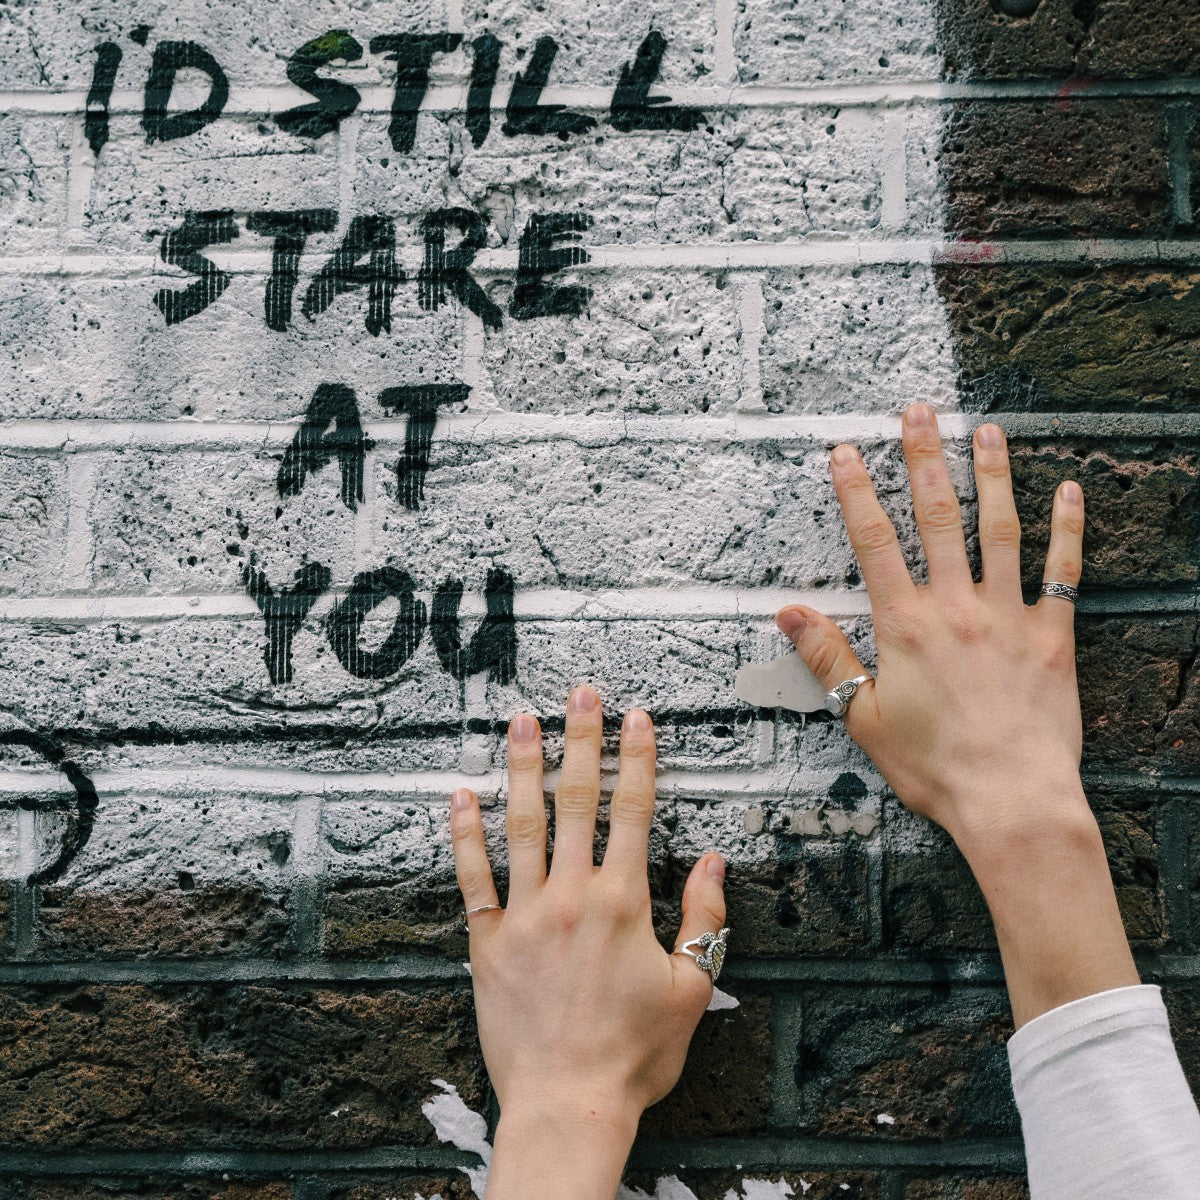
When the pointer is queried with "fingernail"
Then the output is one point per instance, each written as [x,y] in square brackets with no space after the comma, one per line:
[843,456]
[917,416]
[792,622]
[462,799]
[991,437]
[716,868]
[583,700]
[523,728]
[636,721]
[1072,493]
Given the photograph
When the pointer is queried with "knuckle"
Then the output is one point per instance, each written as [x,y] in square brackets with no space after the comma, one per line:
[524,756]
[903,629]
[1057,655]
[992,464]
[967,622]
[873,535]
[525,827]
[632,804]
[1001,531]
[941,512]
[576,796]
[1071,522]
[823,657]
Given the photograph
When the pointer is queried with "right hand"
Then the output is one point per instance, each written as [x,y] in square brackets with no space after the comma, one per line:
[973,718]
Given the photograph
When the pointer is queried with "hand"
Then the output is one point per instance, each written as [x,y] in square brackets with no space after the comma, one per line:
[975,693]
[584,1019]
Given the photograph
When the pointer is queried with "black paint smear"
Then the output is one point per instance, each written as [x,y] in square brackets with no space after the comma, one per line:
[344,624]
[485,66]
[81,817]
[494,645]
[169,59]
[312,447]
[140,34]
[368,235]
[420,402]
[290,231]
[181,248]
[284,613]
[538,257]
[413,55]
[335,101]
[104,75]
[632,105]
[444,268]
[525,115]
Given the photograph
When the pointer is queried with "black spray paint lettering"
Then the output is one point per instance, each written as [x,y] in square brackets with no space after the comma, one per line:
[169,58]
[485,66]
[413,55]
[290,231]
[81,810]
[374,236]
[525,115]
[421,403]
[315,444]
[343,627]
[632,105]
[494,645]
[284,611]
[335,101]
[95,120]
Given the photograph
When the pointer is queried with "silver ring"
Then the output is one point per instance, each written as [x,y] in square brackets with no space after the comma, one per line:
[1065,590]
[838,700]
[710,956]
[482,908]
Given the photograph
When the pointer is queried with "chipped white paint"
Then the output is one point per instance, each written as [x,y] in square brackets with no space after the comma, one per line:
[784,683]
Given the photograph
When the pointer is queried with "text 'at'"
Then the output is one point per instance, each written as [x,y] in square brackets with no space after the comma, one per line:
[632,107]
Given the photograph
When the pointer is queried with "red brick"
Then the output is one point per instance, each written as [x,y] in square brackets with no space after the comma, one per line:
[1043,169]
[139,1067]
[378,921]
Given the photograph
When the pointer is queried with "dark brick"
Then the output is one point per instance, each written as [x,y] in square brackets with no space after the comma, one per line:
[1194,870]
[933,1060]
[850,1184]
[220,1187]
[453,1185]
[725,1089]
[138,1067]
[209,920]
[370,921]
[1048,169]
[5,916]
[1183,1010]
[1113,39]
[1087,338]
[1140,698]
[968,1187]
[1143,510]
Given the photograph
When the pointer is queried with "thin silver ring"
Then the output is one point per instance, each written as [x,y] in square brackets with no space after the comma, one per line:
[710,955]
[838,700]
[1064,590]
[482,908]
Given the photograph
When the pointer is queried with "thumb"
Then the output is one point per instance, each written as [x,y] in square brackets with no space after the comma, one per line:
[826,652]
[703,912]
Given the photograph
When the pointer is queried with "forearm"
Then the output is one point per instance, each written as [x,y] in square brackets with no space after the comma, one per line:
[548,1151]
[1050,892]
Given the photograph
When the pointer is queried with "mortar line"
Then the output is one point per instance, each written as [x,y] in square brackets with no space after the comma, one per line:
[751,327]
[893,204]
[364,515]
[307,874]
[724,47]
[787,1103]
[81,170]
[24,897]
[1180,120]
[79,550]
[1175,868]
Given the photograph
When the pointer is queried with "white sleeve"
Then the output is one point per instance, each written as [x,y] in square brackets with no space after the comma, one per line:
[1105,1110]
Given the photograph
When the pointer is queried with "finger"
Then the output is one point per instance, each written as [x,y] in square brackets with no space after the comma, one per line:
[827,654]
[525,816]
[578,792]
[999,526]
[471,865]
[703,912]
[939,517]
[633,800]
[1064,558]
[871,532]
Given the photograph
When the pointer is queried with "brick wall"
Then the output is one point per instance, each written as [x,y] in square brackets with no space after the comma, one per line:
[239,564]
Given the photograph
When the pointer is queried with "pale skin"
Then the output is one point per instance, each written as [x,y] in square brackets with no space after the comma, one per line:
[972,718]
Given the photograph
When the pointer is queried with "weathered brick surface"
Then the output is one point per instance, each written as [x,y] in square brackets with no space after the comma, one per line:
[1060,37]
[967,1187]
[6,890]
[1183,1010]
[136,1067]
[1142,502]
[848,1184]
[934,1060]
[33,501]
[1091,338]
[1086,167]
[450,1186]
[116,1187]
[33,181]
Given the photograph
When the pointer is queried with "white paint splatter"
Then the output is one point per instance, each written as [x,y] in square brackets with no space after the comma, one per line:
[722,1000]
[884,1119]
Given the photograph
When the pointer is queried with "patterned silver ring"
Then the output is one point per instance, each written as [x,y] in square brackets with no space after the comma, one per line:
[838,700]
[1065,590]
[710,955]
[482,908]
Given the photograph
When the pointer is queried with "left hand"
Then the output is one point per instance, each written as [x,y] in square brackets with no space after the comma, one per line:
[580,1009]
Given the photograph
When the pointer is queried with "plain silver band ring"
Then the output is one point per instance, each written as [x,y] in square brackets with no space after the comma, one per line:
[838,700]
[482,908]
[1065,590]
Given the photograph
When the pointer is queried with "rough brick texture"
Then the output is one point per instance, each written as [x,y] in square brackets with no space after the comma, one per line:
[290,399]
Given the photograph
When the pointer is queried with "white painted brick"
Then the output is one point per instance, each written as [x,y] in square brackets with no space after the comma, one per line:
[10,867]
[145,840]
[33,518]
[373,840]
[140,192]
[824,41]
[871,339]
[34,154]
[99,348]
[922,151]
[649,342]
